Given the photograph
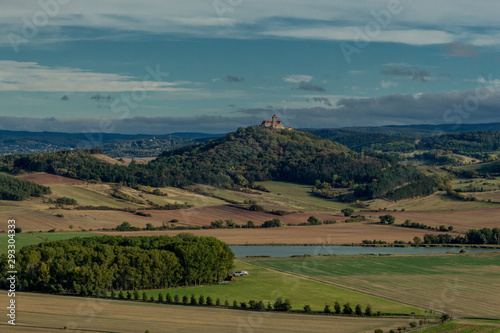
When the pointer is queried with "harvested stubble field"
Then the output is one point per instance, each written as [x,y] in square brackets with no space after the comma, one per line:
[461,285]
[48,179]
[341,233]
[438,201]
[48,313]
[462,220]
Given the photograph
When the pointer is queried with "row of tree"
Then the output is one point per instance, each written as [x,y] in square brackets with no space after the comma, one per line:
[90,265]
[473,236]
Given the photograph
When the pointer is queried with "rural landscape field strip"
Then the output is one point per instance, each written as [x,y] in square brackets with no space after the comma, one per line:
[267,285]
[459,284]
[94,315]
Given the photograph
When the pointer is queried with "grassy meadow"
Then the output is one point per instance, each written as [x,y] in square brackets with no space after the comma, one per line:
[26,239]
[267,285]
[461,285]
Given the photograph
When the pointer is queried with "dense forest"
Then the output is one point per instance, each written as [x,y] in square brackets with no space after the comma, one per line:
[12,188]
[359,141]
[241,158]
[148,147]
[474,144]
[89,266]
[477,144]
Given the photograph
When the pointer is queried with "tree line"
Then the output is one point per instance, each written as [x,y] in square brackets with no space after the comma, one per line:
[88,266]
[473,237]
[12,188]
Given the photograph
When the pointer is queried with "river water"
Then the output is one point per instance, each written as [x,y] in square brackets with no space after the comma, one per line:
[242,251]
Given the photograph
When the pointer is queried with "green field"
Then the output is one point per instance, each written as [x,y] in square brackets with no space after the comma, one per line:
[27,239]
[267,285]
[299,197]
[89,197]
[461,285]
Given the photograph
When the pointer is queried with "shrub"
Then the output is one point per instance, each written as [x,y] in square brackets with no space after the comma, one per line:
[193,300]
[185,300]
[307,309]
[327,309]
[201,300]
[337,308]
[169,299]
[280,305]
[347,211]
[210,302]
[347,309]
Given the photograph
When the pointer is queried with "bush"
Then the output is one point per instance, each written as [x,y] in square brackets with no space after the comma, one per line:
[337,308]
[327,309]
[193,300]
[389,219]
[358,310]
[368,310]
[347,211]
[313,220]
[185,300]
[201,300]
[280,305]
[169,299]
[274,223]
[210,302]
[307,309]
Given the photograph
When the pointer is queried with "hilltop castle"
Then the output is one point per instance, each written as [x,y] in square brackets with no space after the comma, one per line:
[275,124]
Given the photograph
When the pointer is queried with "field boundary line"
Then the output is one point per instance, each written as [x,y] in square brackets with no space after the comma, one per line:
[305,277]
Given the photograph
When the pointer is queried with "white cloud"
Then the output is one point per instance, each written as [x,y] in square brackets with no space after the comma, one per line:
[388,84]
[448,20]
[492,82]
[297,78]
[30,76]
[404,36]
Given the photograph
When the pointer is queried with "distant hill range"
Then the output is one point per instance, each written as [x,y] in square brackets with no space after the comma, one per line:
[384,138]
[424,129]
[114,145]
[239,159]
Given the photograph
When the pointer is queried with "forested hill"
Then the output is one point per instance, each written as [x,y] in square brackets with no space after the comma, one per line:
[241,158]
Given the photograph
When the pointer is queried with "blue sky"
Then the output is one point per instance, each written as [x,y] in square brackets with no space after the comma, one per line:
[157,67]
